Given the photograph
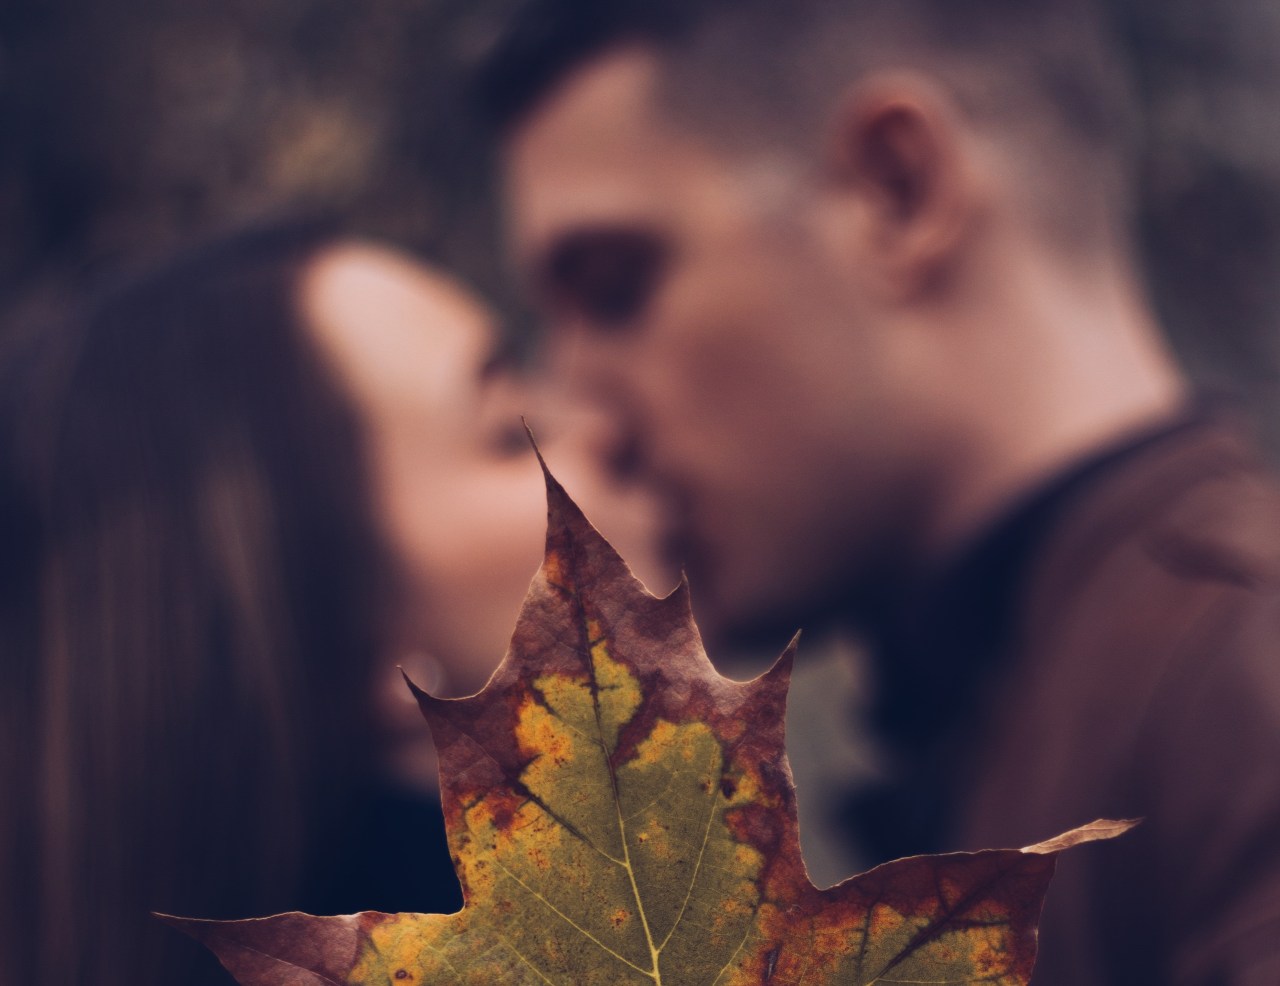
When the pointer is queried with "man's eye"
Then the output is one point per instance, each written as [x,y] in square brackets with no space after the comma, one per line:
[607,278]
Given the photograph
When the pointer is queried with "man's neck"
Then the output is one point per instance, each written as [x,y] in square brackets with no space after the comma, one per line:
[1079,366]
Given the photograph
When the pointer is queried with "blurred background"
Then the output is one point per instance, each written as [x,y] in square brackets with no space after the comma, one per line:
[133,127]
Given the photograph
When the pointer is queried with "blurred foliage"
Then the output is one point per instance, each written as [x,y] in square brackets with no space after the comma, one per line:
[134,126]
[1210,193]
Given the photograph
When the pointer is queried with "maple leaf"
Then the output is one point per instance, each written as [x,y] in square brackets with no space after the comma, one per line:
[619,813]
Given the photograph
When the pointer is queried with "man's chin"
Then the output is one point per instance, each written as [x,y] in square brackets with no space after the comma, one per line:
[735,604]
[754,616]
[686,554]
[730,616]
[754,628]
[680,551]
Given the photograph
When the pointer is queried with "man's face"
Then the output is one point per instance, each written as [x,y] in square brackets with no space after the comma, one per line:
[693,293]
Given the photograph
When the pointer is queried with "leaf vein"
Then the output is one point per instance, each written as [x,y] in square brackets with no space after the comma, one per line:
[523,958]
[936,927]
[284,962]
[734,957]
[571,828]
[697,868]
[568,920]
[671,779]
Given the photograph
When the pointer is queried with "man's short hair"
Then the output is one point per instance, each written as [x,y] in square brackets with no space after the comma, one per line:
[1050,69]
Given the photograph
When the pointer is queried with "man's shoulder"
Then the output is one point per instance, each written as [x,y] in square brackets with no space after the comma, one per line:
[1150,686]
[1191,522]
[1166,575]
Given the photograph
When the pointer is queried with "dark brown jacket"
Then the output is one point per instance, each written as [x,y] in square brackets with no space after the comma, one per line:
[1149,685]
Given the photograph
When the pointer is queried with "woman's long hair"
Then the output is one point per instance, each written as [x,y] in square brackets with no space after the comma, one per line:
[188,616]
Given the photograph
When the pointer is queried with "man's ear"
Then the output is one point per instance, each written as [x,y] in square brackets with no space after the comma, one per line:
[895,158]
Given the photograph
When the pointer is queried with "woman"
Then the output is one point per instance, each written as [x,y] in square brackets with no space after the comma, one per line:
[235,494]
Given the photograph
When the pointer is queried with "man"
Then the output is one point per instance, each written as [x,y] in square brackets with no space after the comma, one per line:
[855,280]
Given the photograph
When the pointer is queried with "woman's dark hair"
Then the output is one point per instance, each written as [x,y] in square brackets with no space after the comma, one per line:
[188,616]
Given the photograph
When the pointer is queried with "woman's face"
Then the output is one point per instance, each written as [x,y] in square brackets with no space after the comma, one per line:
[457,489]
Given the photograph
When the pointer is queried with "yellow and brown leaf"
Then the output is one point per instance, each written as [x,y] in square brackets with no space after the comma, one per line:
[619,813]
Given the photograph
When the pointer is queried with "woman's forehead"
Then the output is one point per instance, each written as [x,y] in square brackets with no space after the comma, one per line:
[394,328]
